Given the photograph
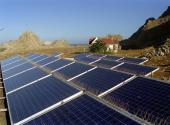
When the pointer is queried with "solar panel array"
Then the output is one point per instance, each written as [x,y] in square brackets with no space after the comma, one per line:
[100,80]
[37,97]
[83,111]
[146,98]
[123,64]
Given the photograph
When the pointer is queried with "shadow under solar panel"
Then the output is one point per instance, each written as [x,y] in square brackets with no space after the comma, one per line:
[83,110]
[147,98]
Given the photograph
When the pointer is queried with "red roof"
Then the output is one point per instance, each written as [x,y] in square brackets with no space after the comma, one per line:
[109,41]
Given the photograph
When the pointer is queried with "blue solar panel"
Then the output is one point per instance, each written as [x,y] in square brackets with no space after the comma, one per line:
[81,55]
[57,54]
[47,60]
[58,64]
[16,70]
[86,59]
[106,63]
[113,58]
[135,69]
[36,97]
[100,80]
[97,56]
[39,58]
[149,99]
[83,111]
[12,65]
[132,60]
[10,60]
[32,56]
[73,70]
[23,79]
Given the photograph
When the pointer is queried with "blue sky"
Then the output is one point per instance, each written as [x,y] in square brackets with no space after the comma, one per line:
[76,20]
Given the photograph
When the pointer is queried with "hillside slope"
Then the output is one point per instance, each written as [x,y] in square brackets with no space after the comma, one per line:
[28,40]
[153,33]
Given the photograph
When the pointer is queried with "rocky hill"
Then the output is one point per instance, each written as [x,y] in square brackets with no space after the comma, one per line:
[153,33]
[27,40]
[30,41]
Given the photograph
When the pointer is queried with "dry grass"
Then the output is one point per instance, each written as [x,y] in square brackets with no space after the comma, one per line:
[69,51]
[3,120]
[162,62]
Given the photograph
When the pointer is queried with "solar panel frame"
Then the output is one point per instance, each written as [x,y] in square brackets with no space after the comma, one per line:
[58,64]
[107,63]
[112,58]
[145,97]
[31,98]
[57,54]
[73,70]
[133,60]
[136,69]
[81,55]
[47,60]
[17,70]
[32,56]
[97,56]
[13,65]
[10,60]
[23,79]
[100,81]
[87,60]
[83,110]
[40,58]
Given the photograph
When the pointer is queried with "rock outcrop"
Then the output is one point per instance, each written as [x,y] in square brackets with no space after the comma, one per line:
[152,34]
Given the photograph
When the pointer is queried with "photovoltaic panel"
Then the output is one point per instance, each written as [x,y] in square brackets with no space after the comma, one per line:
[23,79]
[107,63]
[10,60]
[73,70]
[12,65]
[97,56]
[100,80]
[81,55]
[112,58]
[135,69]
[87,60]
[83,110]
[16,70]
[58,64]
[47,60]
[146,98]
[57,54]
[132,60]
[37,97]
[32,56]
[39,58]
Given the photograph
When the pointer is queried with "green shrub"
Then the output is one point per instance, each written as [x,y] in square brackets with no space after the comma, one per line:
[99,47]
